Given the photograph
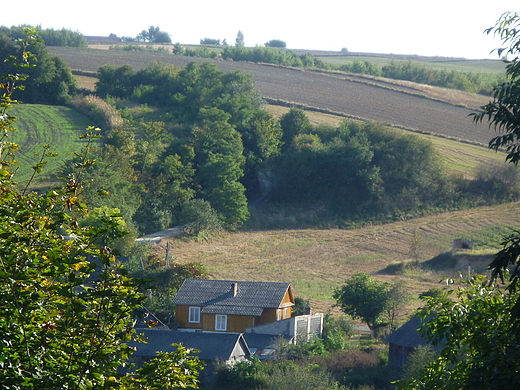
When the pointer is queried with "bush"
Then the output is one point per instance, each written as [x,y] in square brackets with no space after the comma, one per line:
[199,217]
[418,359]
[290,376]
[98,110]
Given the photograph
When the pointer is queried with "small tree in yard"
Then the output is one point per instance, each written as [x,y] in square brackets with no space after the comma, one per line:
[371,300]
[363,297]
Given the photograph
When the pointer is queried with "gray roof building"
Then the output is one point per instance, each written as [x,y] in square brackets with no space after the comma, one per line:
[228,347]
[218,296]
[230,305]
[404,340]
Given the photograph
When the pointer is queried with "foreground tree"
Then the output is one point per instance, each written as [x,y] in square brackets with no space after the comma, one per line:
[480,322]
[503,115]
[66,308]
[502,112]
[475,323]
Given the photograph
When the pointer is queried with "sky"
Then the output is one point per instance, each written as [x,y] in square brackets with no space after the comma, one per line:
[446,28]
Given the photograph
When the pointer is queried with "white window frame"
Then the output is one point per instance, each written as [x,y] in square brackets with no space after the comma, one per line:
[278,314]
[221,322]
[194,315]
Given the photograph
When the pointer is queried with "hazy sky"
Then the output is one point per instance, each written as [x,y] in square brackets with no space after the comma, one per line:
[452,28]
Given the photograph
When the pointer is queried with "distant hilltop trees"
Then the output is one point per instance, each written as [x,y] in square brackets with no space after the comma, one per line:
[50,36]
[152,35]
[276,43]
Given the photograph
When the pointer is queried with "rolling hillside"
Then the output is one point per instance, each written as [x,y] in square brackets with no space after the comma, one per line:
[38,125]
[405,106]
[317,261]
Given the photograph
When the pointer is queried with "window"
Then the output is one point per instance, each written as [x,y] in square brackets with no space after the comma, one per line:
[286,313]
[194,316]
[278,315]
[220,322]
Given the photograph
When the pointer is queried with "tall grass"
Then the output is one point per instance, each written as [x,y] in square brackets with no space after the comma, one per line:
[105,116]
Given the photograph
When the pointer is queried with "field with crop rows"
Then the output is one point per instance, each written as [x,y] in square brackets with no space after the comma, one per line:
[397,104]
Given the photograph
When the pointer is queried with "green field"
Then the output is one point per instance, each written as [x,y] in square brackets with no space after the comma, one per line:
[38,125]
[494,67]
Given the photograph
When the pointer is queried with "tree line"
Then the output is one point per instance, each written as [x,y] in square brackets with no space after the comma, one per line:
[50,36]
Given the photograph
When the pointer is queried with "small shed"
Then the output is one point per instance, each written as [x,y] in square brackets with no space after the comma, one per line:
[227,347]
[212,347]
[404,340]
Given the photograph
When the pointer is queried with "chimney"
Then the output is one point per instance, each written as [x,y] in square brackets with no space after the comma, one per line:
[234,289]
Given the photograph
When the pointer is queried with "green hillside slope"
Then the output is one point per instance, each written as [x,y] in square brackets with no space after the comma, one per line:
[37,125]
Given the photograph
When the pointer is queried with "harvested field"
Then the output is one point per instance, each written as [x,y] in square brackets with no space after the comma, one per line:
[396,104]
[317,261]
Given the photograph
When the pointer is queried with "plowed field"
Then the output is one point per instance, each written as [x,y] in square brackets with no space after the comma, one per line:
[369,99]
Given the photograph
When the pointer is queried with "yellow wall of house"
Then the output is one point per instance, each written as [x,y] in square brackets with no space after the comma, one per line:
[235,324]
[182,316]
[288,297]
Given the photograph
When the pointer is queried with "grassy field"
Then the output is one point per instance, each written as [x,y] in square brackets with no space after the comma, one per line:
[37,125]
[493,67]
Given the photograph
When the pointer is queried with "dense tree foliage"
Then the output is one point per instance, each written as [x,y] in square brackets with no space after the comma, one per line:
[357,167]
[216,127]
[51,37]
[476,325]
[67,306]
[50,81]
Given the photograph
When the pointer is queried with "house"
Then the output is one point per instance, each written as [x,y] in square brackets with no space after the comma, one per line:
[404,340]
[226,347]
[231,306]
[212,347]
